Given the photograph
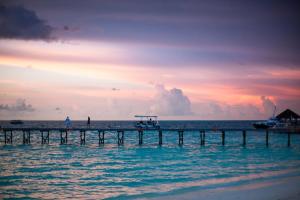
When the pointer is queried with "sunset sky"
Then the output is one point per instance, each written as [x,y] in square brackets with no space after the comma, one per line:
[176,59]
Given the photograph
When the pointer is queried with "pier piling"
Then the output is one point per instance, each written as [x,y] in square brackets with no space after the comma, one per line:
[82,137]
[45,138]
[101,137]
[120,137]
[244,138]
[200,133]
[180,137]
[63,138]
[202,138]
[45,134]
[140,137]
[267,137]
[160,137]
[26,137]
[8,138]
[223,138]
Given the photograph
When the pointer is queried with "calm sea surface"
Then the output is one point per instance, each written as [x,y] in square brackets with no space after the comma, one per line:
[132,171]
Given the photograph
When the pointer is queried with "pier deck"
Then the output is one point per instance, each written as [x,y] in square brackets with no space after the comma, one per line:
[136,129]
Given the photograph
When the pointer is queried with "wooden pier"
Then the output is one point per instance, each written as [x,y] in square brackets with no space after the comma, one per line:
[120,134]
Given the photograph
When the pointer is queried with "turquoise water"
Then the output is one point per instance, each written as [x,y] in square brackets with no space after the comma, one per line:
[132,171]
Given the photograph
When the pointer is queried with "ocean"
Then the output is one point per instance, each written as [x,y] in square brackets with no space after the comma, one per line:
[133,171]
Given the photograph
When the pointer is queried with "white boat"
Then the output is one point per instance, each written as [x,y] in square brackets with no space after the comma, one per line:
[147,122]
[266,124]
[272,122]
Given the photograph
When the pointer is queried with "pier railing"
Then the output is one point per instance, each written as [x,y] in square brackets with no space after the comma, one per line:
[8,134]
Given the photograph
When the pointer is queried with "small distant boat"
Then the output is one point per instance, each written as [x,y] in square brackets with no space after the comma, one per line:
[16,122]
[272,122]
[147,122]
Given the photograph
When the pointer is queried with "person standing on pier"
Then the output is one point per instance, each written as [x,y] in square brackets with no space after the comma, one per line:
[68,122]
[89,122]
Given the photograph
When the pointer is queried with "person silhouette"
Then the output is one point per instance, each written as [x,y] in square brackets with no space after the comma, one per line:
[68,122]
[89,122]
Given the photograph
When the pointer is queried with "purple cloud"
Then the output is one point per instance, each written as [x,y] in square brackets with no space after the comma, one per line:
[17,22]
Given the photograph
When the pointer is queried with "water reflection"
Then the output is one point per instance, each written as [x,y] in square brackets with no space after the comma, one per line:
[74,171]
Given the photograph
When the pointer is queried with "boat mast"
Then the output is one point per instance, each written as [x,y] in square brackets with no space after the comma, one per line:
[274,111]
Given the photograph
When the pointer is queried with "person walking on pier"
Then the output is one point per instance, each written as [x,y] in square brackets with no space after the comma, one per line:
[89,122]
[68,122]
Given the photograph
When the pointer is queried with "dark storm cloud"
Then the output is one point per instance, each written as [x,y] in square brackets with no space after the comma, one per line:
[252,32]
[17,22]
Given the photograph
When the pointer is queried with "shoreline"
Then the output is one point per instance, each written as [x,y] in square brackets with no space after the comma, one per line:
[280,189]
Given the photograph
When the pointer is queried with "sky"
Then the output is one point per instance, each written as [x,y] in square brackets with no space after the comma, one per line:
[111,60]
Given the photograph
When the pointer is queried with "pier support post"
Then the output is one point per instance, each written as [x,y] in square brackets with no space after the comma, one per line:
[63,138]
[120,137]
[289,139]
[140,137]
[26,137]
[267,137]
[4,137]
[82,137]
[45,138]
[180,137]
[200,134]
[160,137]
[223,138]
[202,138]
[8,138]
[244,138]
[101,137]
[48,136]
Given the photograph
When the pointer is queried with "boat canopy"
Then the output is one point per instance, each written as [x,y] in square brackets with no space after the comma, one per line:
[145,116]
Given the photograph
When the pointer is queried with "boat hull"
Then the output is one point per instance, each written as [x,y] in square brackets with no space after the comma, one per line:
[261,126]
